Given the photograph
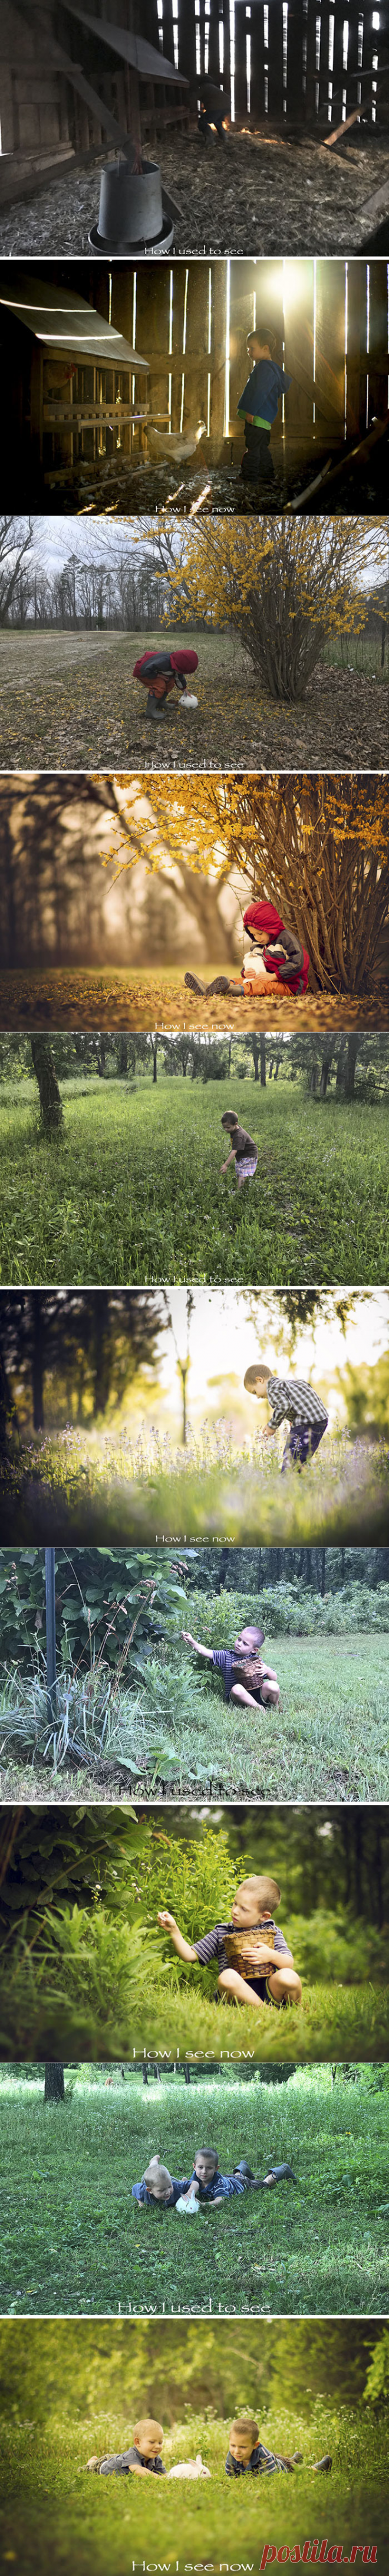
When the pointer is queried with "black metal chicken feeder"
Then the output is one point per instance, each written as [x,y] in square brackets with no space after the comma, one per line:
[51,1665]
[134,212]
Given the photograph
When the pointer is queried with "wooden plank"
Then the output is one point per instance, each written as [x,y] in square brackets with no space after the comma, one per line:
[196,341]
[276,76]
[294,67]
[257,93]
[338,73]
[356,343]
[240,66]
[377,359]
[187,41]
[330,333]
[78,415]
[352,87]
[218,351]
[312,74]
[374,206]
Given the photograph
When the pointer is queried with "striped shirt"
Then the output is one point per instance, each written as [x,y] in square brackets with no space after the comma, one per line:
[260,2461]
[221,2186]
[295,1400]
[212,1944]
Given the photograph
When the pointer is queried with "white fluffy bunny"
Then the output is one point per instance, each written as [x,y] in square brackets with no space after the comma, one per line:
[187,701]
[190,2469]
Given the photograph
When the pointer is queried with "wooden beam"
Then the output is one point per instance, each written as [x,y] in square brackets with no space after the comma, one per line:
[81,415]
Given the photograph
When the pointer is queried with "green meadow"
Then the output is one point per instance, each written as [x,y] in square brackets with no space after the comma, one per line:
[132,1190]
[74,2390]
[74,2242]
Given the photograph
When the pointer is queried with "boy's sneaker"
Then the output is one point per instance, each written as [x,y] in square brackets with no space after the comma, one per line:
[194,984]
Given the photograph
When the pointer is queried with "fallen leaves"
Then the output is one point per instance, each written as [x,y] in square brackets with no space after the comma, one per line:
[92,714]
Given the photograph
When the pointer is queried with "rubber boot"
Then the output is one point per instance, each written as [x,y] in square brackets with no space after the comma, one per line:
[156,710]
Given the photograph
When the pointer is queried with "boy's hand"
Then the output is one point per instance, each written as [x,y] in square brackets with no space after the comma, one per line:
[188,1640]
[168,1922]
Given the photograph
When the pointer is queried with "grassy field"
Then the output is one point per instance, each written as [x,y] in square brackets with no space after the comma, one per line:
[173,1732]
[104,1488]
[133,1191]
[74,2242]
[98,1988]
[55,2519]
[68,701]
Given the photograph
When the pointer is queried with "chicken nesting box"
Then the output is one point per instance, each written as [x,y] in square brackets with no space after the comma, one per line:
[131,216]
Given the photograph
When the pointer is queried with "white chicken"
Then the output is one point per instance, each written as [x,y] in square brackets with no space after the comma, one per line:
[177,445]
[190,2469]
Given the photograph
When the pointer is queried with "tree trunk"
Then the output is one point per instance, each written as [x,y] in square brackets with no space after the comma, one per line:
[54,2083]
[255,1053]
[327,1056]
[351,1059]
[37,1362]
[262,1046]
[322,1571]
[51,1112]
[340,1065]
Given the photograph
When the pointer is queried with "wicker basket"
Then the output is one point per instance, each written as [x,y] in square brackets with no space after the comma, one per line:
[244,1950]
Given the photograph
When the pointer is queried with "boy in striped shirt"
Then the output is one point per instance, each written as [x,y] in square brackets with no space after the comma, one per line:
[291,1400]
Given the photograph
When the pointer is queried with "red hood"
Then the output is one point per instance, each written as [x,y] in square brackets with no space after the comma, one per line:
[263,918]
[184,661]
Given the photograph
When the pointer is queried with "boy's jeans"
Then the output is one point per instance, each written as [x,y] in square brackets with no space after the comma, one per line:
[257,463]
[303,1439]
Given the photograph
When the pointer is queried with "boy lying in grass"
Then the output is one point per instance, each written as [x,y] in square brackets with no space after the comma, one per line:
[205,2183]
[254,1963]
[245,1677]
[246,2454]
[144,2457]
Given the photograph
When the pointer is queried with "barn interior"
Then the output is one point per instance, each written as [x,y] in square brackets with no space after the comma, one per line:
[304,93]
[123,383]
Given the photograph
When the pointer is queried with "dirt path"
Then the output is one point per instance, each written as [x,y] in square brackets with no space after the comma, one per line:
[70,702]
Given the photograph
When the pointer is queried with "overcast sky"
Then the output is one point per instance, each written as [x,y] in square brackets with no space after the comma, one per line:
[93,538]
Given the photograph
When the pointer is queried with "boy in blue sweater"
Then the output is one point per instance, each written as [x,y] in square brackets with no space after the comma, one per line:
[259,404]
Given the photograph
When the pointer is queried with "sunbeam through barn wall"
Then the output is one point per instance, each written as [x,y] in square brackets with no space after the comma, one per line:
[70,74]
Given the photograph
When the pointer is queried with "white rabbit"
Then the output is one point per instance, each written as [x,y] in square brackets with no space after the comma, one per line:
[190,2469]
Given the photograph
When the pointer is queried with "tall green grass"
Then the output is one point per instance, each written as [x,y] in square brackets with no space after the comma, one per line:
[74,2242]
[132,1191]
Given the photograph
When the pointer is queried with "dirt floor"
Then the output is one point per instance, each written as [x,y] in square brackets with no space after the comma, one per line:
[285,195]
[69,701]
[72,998]
[136,485]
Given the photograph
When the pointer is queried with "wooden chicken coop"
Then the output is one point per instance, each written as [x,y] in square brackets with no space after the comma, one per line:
[77,79]
[89,357]
[75,379]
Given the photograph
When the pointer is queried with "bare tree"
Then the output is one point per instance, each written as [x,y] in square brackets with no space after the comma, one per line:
[16,537]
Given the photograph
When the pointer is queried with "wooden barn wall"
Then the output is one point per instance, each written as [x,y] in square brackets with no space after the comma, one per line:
[301,71]
[331,320]
[312,72]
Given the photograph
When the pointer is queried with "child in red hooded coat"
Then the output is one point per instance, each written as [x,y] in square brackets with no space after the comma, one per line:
[275,956]
[161,671]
